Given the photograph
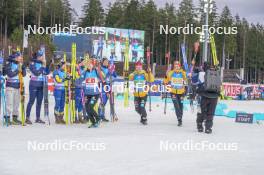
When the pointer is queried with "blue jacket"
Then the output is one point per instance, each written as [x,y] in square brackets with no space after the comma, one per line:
[37,73]
[59,79]
[195,78]
[12,71]
[107,74]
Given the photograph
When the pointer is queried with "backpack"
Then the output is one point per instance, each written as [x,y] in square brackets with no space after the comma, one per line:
[212,81]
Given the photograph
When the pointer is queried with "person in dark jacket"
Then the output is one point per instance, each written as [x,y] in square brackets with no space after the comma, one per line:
[207,104]
[12,69]
[38,70]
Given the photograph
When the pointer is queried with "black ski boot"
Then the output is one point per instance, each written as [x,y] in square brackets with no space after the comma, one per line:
[94,125]
[115,119]
[15,121]
[179,122]
[199,122]
[57,119]
[7,120]
[200,127]
[28,121]
[208,131]
[80,115]
[105,120]
[61,119]
[144,120]
[39,121]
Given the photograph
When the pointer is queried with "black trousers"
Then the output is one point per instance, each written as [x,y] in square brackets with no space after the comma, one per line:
[90,102]
[193,93]
[208,106]
[140,103]
[178,105]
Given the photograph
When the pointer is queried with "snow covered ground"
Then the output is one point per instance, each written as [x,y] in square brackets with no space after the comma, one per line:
[128,148]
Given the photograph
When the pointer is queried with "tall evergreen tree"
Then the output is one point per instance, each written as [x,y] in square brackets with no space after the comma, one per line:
[186,16]
[228,42]
[93,13]
[114,17]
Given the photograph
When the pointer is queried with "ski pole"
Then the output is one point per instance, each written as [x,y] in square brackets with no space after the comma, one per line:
[149,66]
[165,107]
[168,69]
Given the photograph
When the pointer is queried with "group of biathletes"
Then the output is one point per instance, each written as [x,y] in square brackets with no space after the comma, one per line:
[88,76]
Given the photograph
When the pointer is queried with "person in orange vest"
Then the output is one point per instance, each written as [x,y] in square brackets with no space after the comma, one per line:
[140,78]
[176,79]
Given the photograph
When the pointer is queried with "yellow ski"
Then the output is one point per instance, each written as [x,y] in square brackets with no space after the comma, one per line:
[213,49]
[125,74]
[66,84]
[22,93]
[73,75]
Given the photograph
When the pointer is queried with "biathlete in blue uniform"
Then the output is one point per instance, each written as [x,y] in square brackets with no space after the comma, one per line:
[38,69]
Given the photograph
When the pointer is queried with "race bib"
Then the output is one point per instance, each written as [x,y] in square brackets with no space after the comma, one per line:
[177,81]
[90,82]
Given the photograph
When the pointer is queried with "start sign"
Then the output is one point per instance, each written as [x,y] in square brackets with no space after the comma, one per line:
[244,118]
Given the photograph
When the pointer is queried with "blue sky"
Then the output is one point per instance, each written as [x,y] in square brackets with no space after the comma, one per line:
[252,10]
